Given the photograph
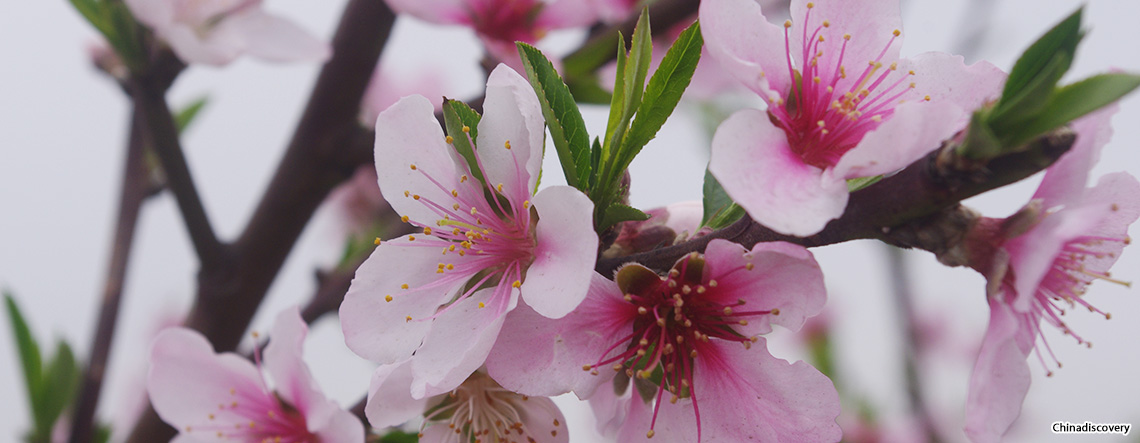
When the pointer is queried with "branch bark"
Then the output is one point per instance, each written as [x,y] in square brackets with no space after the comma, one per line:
[884,210]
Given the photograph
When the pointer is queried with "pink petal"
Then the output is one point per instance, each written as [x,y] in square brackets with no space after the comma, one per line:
[539,415]
[1066,179]
[610,409]
[283,362]
[342,427]
[215,48]
[435,11]
[947,78]
[871,24]
[390,401]
[511,113]
[752,160]
[275,38]
[539,356]
[784,277]
[743,42]
[747,394]
[558,14]
[559,276]
[1121,193]
[1001,375]
[153,13]
[187,380]
[912,131]
[458,343]
[408,134]
[378,330]
[1032,254]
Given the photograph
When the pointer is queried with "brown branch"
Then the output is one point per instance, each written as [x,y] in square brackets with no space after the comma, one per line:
[927,188]
[148,93]
[135,190]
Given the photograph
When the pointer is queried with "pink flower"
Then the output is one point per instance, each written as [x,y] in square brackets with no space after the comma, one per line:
[208,396]
[387,87]
[788,166]
[667,225]
[217,32]
[500,23]
[444,295]
[477,410]
[1039,263]
[689,345]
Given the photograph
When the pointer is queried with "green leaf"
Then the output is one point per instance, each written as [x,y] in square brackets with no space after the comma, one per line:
[467,115]
[617,213]
[567,128]
[61,380]
[453,119]
[28,349]
[186,115]
[856,184]
[1062,39]
[632,85]
[981,142]
[398,436]
[714,198]
[1073,101]
[617,99]
[1012,111]
[663,93]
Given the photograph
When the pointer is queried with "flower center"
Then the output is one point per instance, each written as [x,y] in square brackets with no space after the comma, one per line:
[485,236]
[677,317]
[480,410]
[826,113]
[508,21]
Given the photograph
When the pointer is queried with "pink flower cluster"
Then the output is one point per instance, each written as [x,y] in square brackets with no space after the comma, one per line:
[493,304]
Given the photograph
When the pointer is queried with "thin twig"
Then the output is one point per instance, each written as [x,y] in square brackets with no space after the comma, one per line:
[135,190]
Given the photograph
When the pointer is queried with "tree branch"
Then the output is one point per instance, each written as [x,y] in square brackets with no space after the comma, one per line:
[135,190]
[926,188]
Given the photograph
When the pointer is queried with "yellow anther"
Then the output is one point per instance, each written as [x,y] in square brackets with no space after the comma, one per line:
[816,80]
[388,297]
[404,286]
[847,36]
[516,284]
[411,238]
[454,193]
[466,129]
[376,242]
[826,24]
[407,193]
[787,24]
[450,266]
[499,187]
[897,33]
[427,230]
[455,206]
[749,266]
[926,98]
[876,118]
[894,66]
[507,144]
[775,311]
[911,85]
[820,123]
[415,196]
[526,204]
[463,178]
[408,319]
[910,72]
[821,39]
[449,139]
[473,211]
[810,5]
[481,305]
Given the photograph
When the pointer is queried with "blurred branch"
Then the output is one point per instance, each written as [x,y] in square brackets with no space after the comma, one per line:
[136,188]
[907,318]
[897,210]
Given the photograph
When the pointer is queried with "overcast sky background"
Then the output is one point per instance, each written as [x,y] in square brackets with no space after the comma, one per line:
[63,131]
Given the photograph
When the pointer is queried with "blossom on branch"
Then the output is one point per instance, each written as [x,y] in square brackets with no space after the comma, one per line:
[1039,263]
[209,396]
[217,32]
[444,294]
[841,104]
[500,23]
[477,410]
[689,345]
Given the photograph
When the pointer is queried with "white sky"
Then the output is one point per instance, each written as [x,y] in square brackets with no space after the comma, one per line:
[63,129]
